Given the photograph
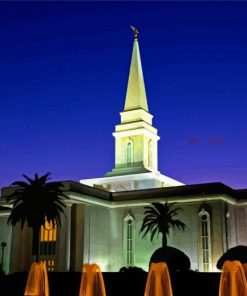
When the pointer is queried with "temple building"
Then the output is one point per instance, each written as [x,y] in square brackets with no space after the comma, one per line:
[104,215]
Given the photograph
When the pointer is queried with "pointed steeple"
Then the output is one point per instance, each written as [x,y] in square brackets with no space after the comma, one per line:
[136,140]
[136,94]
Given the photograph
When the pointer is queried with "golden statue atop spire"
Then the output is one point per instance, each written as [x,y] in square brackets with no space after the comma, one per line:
[136,32]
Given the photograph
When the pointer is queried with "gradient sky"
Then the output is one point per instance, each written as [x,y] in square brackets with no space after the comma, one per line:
[63,76]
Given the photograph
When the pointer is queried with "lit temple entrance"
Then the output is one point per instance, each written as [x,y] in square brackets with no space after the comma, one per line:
[47,246]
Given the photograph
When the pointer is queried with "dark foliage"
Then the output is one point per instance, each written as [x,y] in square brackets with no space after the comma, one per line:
[175,259]
[237,253]
[36,201]
[159,218]
[131,269]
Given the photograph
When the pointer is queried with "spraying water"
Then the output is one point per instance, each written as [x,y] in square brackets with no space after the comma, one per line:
[233,280]
[158,281]
[92,283]
[37,282]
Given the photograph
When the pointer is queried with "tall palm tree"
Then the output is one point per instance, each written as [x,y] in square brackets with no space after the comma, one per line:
[159,218]
[36,201]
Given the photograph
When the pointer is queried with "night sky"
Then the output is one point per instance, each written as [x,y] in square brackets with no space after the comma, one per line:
[63,76]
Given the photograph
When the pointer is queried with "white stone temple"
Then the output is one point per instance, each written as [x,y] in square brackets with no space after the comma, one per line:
[104,215]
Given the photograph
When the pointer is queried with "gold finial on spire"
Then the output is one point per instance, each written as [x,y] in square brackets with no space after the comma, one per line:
[136,32]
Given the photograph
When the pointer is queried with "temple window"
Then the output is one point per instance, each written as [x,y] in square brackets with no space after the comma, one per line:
[150,154]
[129,152]
[204,241]
[129,240]
[47,247]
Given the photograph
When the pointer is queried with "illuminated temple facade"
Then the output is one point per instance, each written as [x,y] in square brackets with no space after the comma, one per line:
[104,215]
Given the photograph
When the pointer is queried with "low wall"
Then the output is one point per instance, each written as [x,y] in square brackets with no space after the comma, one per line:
[116,283]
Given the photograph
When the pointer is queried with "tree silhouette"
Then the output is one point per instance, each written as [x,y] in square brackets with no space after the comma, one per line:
[36,201]
[159,218]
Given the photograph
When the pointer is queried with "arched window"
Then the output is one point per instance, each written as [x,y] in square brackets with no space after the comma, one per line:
[205,260]
[129,152]
[47,247]
[227,226]
[129,240]
[150,154]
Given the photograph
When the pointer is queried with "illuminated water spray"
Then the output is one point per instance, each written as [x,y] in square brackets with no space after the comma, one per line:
[233,280]
[92,283]
[158,281]
[37,282]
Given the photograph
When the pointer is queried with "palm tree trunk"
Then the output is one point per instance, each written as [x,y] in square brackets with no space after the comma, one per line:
[164,241]
[35,246]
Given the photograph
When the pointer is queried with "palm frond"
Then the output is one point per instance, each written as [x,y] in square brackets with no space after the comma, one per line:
[177,224]
[28,179]
[158,218]
[35,200]
[43,179]
[20,184]
[153,232]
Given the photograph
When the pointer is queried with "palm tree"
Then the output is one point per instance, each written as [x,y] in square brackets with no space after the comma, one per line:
[159,218]
[36,201]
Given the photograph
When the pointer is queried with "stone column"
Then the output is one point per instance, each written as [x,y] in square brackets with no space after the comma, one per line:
[21,248]
[77,236]
[217,231]
[241,225]
[63,241]
[5,236]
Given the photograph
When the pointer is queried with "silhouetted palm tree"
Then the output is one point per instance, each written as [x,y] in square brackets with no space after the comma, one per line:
[35,202]
[159,218]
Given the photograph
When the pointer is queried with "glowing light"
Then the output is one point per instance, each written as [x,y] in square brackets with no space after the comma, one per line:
[37,282]
[92,283]
[233,280]
[48,232]
[48,237]
[158,281]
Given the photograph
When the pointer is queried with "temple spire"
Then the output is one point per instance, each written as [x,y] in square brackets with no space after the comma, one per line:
[136,140]
[136,32]
[136,94]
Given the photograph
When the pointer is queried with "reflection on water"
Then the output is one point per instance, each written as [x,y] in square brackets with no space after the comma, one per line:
[92,283]
[158,281]
[37,282]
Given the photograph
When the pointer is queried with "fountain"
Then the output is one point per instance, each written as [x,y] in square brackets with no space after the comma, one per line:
[233,281]
[158,281]
[37,282]
[92,283]
[245,269]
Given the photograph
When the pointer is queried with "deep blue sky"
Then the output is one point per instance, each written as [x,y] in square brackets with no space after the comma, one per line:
[63,75]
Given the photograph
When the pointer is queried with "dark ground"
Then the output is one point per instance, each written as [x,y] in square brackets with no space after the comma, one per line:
[116,283]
